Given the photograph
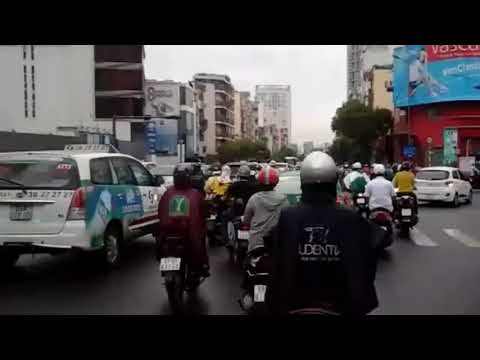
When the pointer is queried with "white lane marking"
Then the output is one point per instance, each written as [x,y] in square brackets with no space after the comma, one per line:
[420,239]
[465,239]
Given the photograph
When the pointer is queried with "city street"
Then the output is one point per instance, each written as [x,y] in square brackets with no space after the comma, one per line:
[436,272]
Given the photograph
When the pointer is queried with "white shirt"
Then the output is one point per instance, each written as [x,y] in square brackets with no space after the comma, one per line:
[352,176]
[380,192]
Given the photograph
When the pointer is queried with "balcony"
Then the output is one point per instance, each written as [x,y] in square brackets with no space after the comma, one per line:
[222,131]
[223,100]
[117,80]
[222,115]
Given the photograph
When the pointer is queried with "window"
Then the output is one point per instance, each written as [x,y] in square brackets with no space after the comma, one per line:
[123,171]
[141,174]
[33,88]
[25,91]
[32,53]
[100,172]
[455,174]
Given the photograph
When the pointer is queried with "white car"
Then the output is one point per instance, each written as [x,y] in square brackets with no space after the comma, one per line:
[76,199]
[442,183]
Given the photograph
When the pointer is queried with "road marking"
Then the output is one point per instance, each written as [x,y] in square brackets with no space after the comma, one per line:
[420,239]
[462,237]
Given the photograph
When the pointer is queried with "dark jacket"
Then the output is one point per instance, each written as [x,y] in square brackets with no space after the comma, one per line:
[323,255]
[243,189]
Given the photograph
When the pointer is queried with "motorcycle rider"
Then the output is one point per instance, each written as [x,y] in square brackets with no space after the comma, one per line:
[356,180]
[380,191]
[323,254]
[218,185]
[182,212]
[198,179]
[244,187]
[404,180]
[263,208]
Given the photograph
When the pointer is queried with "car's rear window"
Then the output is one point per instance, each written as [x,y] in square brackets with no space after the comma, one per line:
[432,175]
[39,174]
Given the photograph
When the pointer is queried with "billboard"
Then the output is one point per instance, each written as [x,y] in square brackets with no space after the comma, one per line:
[162,98]
[424,74]
[162,135]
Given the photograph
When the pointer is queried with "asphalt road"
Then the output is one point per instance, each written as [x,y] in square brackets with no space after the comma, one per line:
[435,272]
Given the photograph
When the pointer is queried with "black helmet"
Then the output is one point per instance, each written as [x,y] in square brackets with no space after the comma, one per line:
[244,171]
[182,175]
[197,169]
[406,166]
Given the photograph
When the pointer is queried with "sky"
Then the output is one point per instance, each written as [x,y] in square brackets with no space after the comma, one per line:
[316,74]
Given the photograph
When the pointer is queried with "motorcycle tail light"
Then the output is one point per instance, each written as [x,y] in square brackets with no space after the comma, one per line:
[381,216]
[244,227]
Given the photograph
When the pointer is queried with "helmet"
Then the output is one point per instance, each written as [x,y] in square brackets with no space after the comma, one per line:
[268,176]
[318,168]
[244,171]
[182,175]
[356,166]
[406,166]
[379,169]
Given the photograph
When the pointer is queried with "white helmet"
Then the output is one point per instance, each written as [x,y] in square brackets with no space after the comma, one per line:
[318,168]
[379,169]
[357,166]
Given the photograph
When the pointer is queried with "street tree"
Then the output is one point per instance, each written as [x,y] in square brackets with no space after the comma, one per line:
[282,153]
[243,149]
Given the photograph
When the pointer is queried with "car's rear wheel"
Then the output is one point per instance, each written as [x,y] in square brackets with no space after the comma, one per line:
[111,253]
[455,201]
[8,259]
[470,197]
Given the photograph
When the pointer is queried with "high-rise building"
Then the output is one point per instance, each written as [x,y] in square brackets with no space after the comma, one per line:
[354,54]
[215,102]
[276,101]
[246,115]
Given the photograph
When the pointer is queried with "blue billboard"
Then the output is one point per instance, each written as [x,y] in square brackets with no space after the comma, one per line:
[424,74]
[162,135]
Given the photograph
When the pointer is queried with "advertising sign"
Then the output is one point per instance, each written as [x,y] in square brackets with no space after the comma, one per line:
[162,135]
[425,74]
[450,139]
[409,151]
[162,99]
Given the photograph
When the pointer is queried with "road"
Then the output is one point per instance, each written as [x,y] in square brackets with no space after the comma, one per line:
[436,272]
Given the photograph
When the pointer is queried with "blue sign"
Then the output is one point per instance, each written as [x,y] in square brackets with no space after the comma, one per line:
[161,135]
[425,74]
[409,151]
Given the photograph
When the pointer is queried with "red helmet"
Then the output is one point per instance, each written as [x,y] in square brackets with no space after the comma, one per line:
[268,176]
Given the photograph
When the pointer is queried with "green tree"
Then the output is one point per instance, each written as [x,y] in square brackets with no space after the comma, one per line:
[282,153]
[358,127]
[243,149]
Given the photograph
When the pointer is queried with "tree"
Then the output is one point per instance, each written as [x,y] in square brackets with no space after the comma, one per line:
[282,153]
[357,128]
[243,149]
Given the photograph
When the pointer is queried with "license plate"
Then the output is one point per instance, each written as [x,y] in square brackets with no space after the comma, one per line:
[406,212]
[243,235]
[259,293]
[384,228]
[361,201]
[212,217]
[21,212]
[170,264]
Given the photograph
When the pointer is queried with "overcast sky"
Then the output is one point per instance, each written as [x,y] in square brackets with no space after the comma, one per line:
[316,74]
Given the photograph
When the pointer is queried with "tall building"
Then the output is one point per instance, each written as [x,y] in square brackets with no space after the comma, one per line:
[246,115]
[276,101]
[57,94]
[307,147]
[360,60]
[215,97]
[378,81]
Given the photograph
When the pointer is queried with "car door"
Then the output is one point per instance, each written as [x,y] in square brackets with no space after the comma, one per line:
[460,185]
[127,198]
[465,183]
[150,196]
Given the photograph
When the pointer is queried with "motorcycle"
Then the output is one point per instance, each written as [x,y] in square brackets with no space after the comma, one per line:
[215,230]
[361,204]
[405,214]
[383,219]
[176,271]
[257,277]
[237,233]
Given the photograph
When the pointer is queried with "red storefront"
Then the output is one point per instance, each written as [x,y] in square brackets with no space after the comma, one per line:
[426,126]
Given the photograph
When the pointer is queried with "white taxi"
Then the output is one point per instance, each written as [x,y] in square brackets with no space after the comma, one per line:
[83,197]
[441,183]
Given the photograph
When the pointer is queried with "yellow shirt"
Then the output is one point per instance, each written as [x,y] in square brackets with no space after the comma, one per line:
[405,181]
[214,186]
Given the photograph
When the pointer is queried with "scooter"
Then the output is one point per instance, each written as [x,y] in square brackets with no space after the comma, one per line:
[237,234]
[176,272]
[361,204]
[215,230]
[383,219]
[405,214]
[257,277]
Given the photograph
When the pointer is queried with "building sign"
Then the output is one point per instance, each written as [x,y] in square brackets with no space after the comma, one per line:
[450,140]
[162,99]
[409,151]
[424,74]
[162,135]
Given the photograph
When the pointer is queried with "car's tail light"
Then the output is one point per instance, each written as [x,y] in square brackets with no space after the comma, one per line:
[78,205]
[448,183]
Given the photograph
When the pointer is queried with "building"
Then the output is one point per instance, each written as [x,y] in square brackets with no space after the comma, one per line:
[174,100]
[293,147]
[437,122]
[378,80]
[360,60]
[276,101]
[307,147]
[58,94]
[246,116]
[270,135]
[215,96]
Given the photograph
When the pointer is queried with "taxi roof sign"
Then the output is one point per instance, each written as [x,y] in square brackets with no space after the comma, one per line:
[90,148]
